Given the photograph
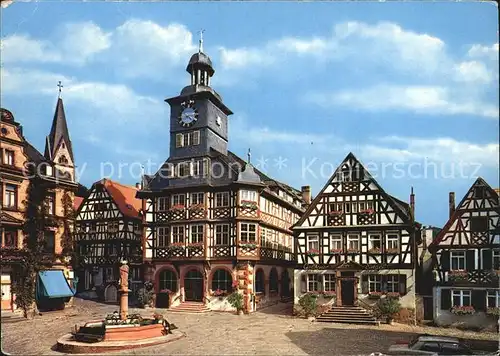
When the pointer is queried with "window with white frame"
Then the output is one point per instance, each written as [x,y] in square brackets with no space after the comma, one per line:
[222,234]
[195,168]
[162,236]
[197,198]
[196,234]
[312,242]
[354,207]
[9,157]
[392,281]
[374,283]
[336,242]
[183,169]
[374,241]
[178,199]
[329,282]
[347,207]
[496,259]
[248,195]
[493,299]
[177,234]
[221,199]
[162,203]
[362,206]
[10,196]
[461,298]
[248,232]
[392,242]
[353,242]
[313,283]
[457,260]
[369,205]
[187,139]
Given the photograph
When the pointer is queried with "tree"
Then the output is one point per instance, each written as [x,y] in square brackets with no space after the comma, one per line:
[67,224]
[36,220]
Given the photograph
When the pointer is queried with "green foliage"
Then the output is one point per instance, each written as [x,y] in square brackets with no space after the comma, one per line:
[236,300]
[67,242]
[145,295]
[389,307]
[308,303]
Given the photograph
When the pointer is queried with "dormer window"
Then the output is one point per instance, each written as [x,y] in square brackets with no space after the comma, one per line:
[248,195]
[63,160]
[478,193]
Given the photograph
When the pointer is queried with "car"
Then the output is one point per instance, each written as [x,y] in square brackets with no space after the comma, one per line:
[431,345]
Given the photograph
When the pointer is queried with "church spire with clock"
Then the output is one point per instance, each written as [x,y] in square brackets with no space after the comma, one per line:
[198,116]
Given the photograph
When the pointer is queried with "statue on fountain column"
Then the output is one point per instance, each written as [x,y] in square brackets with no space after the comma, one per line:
[124,276]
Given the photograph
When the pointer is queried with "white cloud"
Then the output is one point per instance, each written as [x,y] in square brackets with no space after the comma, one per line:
[441,149]
[490,52]
[419,99]
[243,58]
[473,71]
[82,41]
[22,48]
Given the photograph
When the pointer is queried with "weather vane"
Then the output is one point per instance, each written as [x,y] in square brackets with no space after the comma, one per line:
[200,49]
[249,155]
[60,88]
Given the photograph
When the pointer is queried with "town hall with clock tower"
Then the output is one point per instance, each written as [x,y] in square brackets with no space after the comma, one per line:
[214,224]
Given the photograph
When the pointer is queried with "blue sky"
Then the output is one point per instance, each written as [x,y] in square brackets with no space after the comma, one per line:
[411,88]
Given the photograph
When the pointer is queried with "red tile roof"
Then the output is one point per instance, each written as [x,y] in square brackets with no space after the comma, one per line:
[124,197]
[77,202]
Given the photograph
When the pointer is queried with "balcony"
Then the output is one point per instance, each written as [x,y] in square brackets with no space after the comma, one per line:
[474,277]
[177,212]
[248,209]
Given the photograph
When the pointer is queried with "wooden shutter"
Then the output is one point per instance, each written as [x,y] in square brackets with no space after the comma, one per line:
[446,299]
[196,138]
[479,300]
[402,284]
[364,284]
[470,260]
[179,140]
[487,259]
[445,260]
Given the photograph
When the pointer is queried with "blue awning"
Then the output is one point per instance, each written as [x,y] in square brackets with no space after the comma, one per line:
[53,284]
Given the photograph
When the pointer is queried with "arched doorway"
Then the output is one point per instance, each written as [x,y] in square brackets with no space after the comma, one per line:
[285,284]
[193,286]
[111,294]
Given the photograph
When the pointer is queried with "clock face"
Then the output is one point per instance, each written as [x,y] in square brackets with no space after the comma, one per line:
[188,116]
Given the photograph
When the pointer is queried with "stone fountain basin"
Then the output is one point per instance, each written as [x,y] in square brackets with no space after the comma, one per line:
[133,332]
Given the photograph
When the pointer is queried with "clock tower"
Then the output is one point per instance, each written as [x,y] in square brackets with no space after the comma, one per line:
[198,117]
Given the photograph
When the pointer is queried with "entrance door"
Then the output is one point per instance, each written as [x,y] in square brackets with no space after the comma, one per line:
[347,292]
[285,284]
[193,286]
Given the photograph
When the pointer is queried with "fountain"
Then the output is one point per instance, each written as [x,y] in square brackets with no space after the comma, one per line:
[119,330]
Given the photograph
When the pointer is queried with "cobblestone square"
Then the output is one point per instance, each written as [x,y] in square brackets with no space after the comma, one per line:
[272,331]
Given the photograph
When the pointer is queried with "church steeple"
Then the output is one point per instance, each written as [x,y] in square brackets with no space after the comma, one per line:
[58,139]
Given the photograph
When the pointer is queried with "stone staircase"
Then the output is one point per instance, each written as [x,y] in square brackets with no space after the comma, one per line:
[189,307]
[348,315]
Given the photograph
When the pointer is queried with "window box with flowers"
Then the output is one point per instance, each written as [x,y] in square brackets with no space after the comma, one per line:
[392,251]
[335,213]
[197,207]
[375,250]
[393,295]
[219,293]
[177,207]
[352,250]
[367,211]
[494,311]
[312,252]
[375,295]
[315,294]
[329,294]
[463,310]
[250,246]
[178,246]
[249,204]
[457,275]
[195,246]
[336,251]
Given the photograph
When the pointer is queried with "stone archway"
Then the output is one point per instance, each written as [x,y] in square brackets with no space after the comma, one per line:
[111,294]
[193,286]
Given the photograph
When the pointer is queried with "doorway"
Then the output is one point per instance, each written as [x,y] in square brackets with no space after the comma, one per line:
[285,284]
[193,286]
[347,292]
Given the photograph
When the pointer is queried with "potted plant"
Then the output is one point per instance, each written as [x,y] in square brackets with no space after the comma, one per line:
[389,307]
[375,295]
[494,311]
[219,293]
[236,301]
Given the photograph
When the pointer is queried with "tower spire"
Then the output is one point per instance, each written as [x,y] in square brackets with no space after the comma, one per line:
[249,155]
[200,47]
[60,88]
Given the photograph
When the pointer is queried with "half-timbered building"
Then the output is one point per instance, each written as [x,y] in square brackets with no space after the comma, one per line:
[356,243]
[108,230]
[53,173]
[466,259]
[214,222]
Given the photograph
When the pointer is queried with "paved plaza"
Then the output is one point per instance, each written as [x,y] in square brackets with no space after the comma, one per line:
[272,331]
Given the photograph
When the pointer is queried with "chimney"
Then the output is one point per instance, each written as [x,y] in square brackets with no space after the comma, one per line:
[138,185]
[412,204]
[306,194]
[452,203]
